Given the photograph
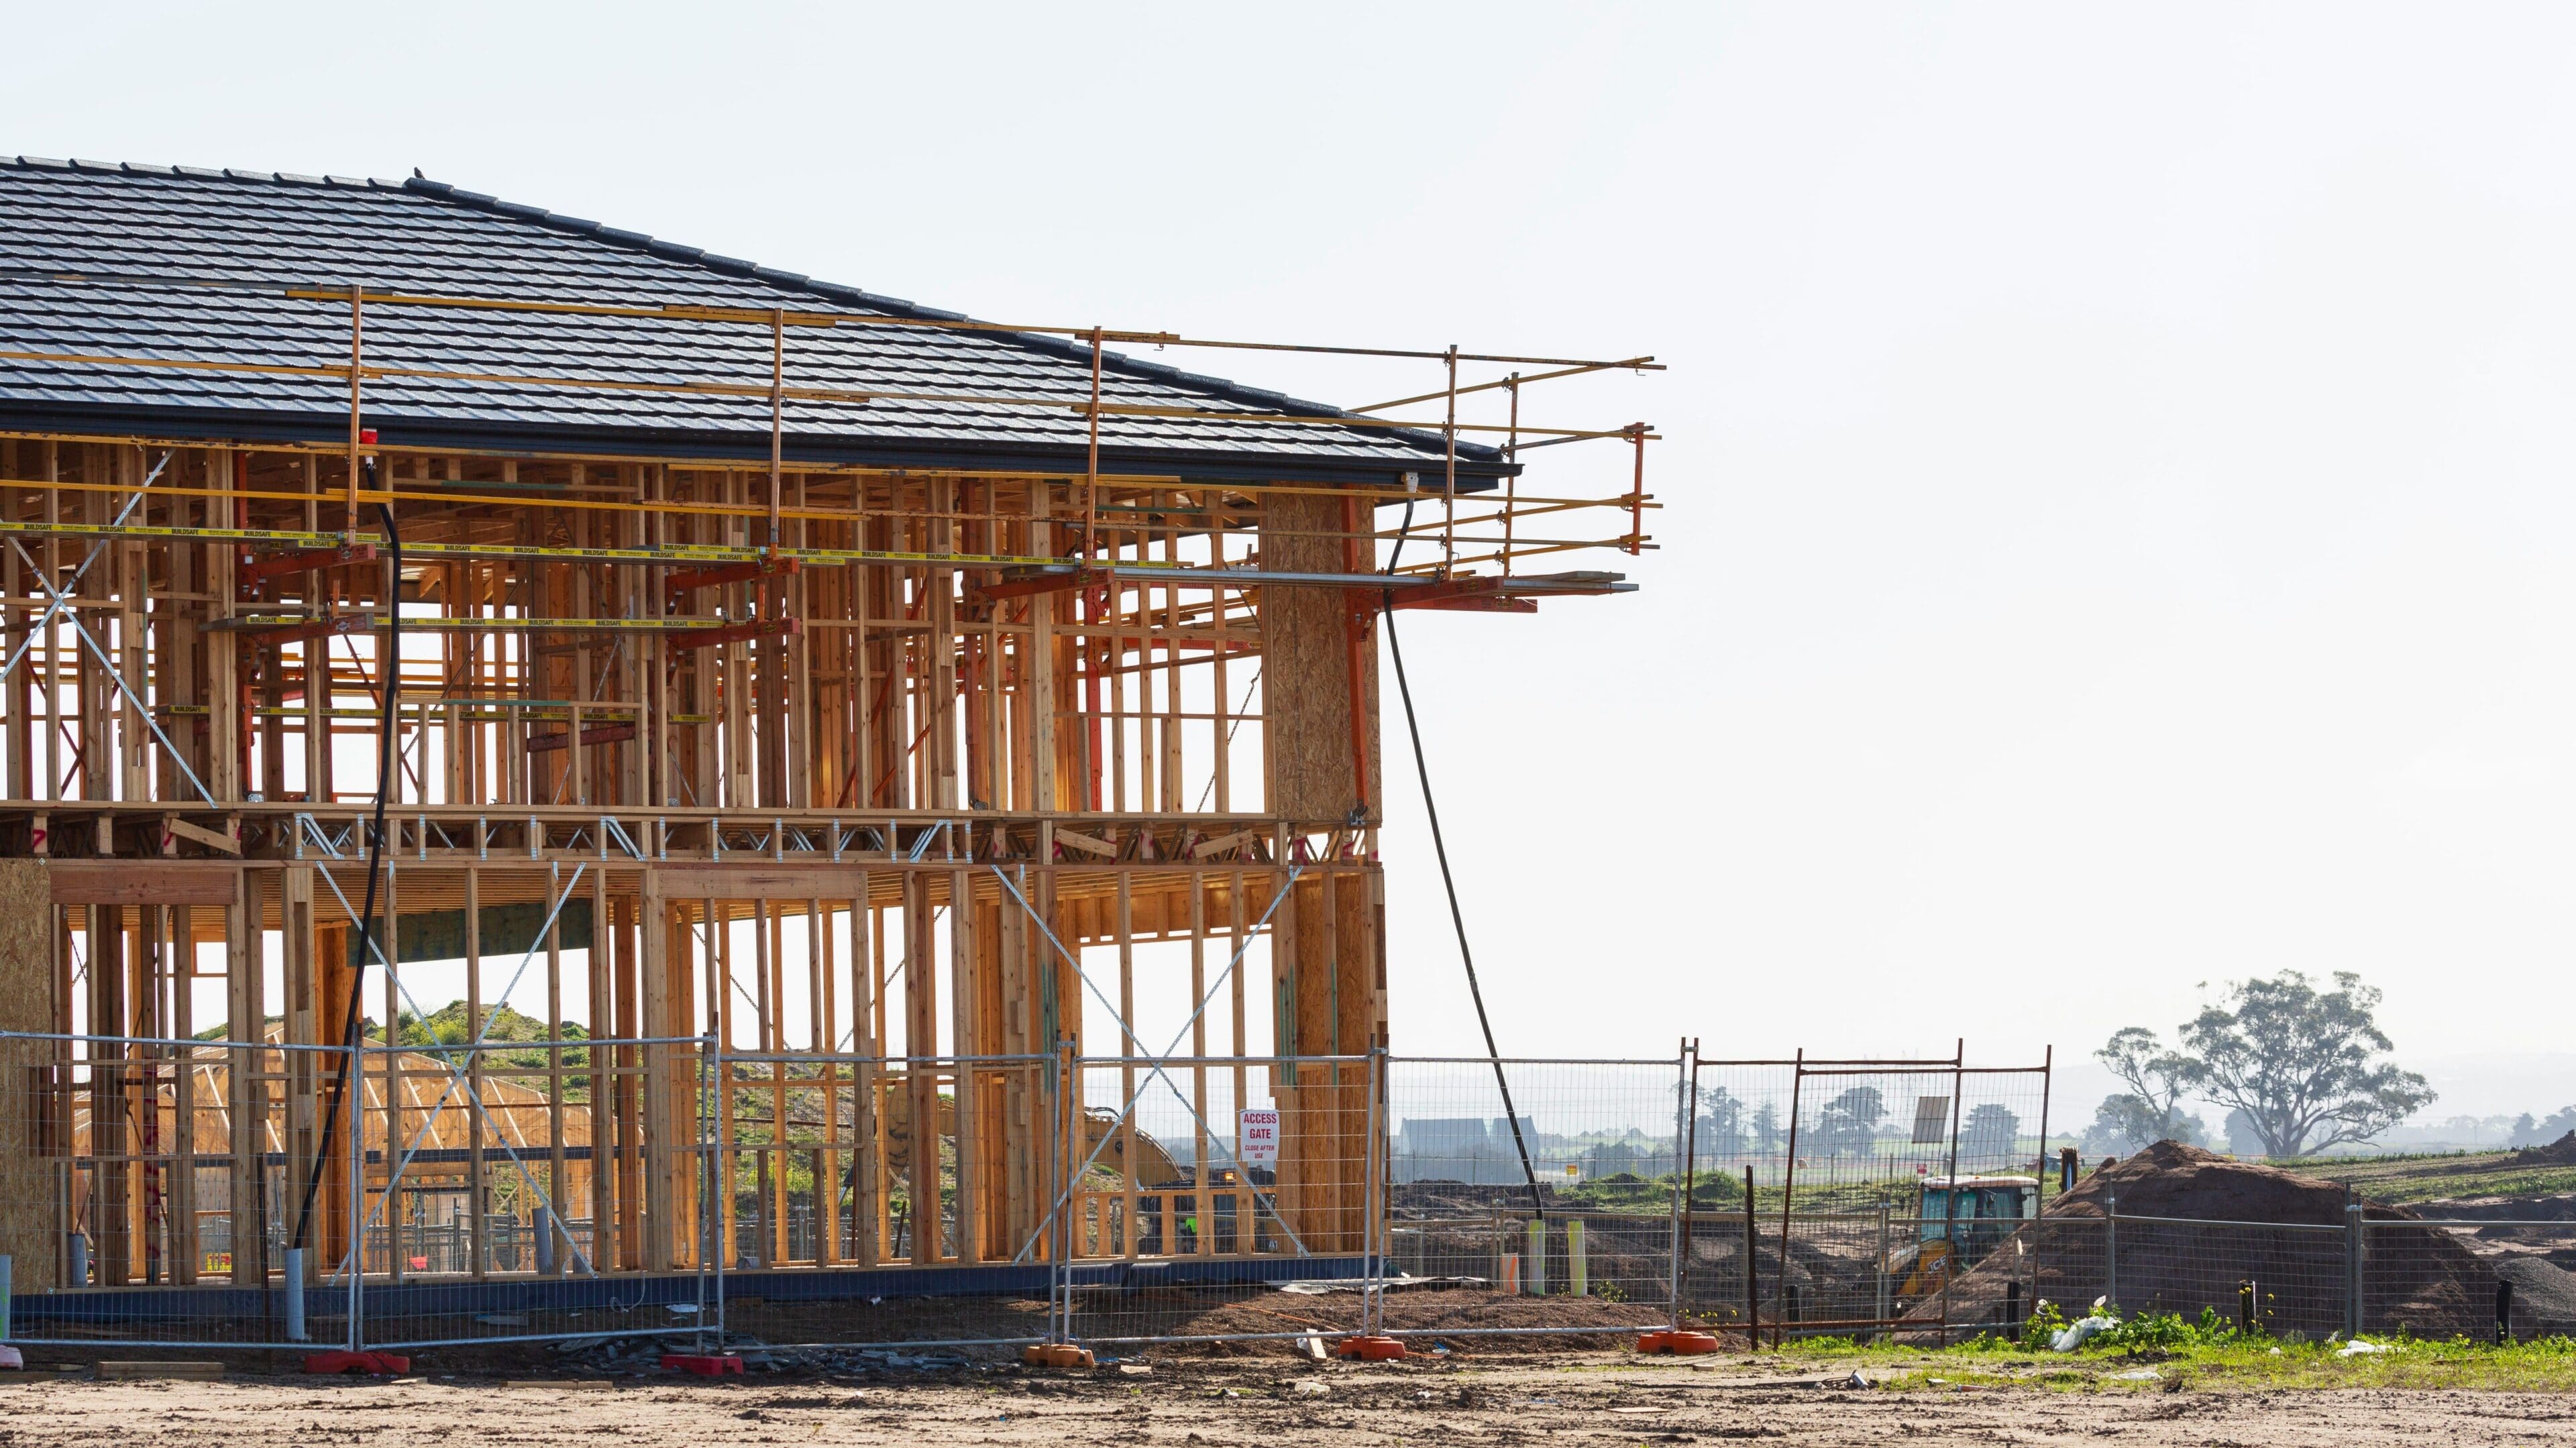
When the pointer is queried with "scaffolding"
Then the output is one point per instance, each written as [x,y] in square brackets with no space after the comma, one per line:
[840,798]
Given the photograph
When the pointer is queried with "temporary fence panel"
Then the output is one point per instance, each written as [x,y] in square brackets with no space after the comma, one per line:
[1221,1197]
[2489,1280]
[888,1202]
[1845,1195]
[489,1191]
[513,1191]
[1555,1214]
[2373,1272]
[158,1192]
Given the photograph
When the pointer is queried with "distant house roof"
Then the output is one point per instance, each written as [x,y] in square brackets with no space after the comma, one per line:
[126,261]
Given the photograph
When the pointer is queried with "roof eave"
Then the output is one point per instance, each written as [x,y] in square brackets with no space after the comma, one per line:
[209,426]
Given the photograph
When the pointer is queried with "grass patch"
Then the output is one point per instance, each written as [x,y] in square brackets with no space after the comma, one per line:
[2160,1352]
[2433,1175]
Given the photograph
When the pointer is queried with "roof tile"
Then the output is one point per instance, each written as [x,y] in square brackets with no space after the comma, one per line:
[262,233]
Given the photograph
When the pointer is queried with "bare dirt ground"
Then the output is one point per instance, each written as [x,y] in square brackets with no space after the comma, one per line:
[1596,1397]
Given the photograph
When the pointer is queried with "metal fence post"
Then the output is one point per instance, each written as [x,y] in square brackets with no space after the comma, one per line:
[1883,1245]
[358,1186]
[1752,1279]
[294,1288]
[2111,1249]
[1682,1126]
[705,1315]
[1951,1265]
[2352,1251]
[1060,1279]
[719,1168]
[1372,1202]
[2038,1239]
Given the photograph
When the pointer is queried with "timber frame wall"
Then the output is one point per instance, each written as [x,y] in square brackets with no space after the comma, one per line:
[924,731]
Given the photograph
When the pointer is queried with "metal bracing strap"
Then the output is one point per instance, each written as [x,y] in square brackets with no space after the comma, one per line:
[457,1076]
[141,708]
[1153,1065]
[81,572]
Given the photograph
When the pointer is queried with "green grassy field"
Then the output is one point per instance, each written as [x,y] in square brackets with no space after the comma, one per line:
[2449,1174]
[2165,1354]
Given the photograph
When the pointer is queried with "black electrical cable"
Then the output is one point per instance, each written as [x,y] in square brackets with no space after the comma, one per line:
[1440,847]
[389,675]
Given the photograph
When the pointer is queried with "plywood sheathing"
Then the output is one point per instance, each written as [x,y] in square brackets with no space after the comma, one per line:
[1306,666]
[28,1173]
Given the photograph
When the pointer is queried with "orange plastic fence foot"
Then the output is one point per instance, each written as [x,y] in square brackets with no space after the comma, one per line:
[705,1365]
[1370,1349]
[1055,1355]
[384,1364]
[1685,1343]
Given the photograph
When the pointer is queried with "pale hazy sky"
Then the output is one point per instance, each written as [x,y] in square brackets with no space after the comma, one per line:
[2118,479]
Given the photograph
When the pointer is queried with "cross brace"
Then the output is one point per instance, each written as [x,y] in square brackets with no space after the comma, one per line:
[302,560]
[604,734]
[690,579]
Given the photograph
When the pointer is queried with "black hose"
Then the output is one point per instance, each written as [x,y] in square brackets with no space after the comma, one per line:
[389,674]
[1448,882]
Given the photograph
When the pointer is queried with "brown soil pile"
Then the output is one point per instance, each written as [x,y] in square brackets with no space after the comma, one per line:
[1473,1315]
[1471,1312]
[2561,1152]
[2170,1179]
[2421,1279]
[2544,1296]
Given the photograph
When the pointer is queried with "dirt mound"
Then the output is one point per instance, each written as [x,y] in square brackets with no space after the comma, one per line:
[2170,1179]
[2544,1297]
[2561,1152]
[2194,1226]
[1472,1313]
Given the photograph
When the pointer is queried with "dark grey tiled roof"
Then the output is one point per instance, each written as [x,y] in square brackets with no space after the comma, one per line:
[133,233]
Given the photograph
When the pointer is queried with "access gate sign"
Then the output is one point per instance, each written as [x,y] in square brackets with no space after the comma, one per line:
[1256,1136]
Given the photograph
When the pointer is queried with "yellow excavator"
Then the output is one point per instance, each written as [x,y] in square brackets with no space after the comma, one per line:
[1959,1221]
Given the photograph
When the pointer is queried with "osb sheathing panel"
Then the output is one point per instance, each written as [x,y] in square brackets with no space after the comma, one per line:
[1306,668]
[26,1004]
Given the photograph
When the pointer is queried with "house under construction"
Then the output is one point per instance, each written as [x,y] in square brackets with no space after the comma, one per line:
[791,685]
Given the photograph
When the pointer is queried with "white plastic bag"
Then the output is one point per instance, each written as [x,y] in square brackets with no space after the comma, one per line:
[2075,1334]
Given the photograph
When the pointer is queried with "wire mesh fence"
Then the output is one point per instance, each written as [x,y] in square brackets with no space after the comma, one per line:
[150,1199]
[877,1202]
[1527,1197]
[1845,1195]
[1219,1197]
[508,1193]
[463,1192]
[2532,1262]
[2377,1271]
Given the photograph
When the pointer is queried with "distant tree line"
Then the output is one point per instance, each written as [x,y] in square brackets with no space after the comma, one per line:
[1848,1124]
[2298,1070]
